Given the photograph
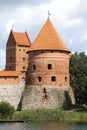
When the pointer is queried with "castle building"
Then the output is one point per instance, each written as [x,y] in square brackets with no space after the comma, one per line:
[49,58]
[43,64]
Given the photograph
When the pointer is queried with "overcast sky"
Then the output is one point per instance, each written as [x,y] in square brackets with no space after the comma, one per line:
[68,16]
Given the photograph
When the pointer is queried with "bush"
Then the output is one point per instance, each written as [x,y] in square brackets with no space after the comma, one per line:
[6,109]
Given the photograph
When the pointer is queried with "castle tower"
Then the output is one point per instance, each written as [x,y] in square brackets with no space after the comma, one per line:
[48,73]
[17,46]
[49,58]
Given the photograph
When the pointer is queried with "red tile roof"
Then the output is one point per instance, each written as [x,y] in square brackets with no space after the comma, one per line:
[9,73]
[22,38]
[48,39]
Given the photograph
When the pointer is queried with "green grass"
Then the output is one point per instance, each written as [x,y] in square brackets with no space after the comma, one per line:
[50,115]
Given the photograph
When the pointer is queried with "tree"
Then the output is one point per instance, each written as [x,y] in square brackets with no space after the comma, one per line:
[78,77]
[6,109]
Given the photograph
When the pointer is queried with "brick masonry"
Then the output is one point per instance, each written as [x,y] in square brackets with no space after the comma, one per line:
[45,69]
[38,67]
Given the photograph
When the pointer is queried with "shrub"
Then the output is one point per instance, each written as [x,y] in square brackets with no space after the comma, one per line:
[6,109]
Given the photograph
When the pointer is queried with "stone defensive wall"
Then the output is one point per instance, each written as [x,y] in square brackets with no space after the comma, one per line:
[35,97]
[12,93]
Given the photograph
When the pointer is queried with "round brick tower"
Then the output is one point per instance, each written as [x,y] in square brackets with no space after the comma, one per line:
[48,73]
[48,58]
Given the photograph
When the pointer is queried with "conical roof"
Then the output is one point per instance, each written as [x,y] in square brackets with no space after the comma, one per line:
[48,39]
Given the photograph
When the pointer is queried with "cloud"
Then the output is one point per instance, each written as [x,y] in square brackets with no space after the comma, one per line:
[9,25]
[2,59]
[68,16]
[19,2]
[85,36]
[70,41]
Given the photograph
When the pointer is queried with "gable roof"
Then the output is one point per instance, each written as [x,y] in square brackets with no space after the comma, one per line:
[21,38]
[48,39]
[9,73]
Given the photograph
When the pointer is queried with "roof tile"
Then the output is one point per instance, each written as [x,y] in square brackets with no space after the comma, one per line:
[22,38]
[48,39]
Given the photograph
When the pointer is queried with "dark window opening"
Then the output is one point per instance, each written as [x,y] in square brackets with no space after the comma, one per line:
[66,79]
[49,66]
[23,58]
[23,49]
[44,90]
[45,97]
[39,79]
[19,49]
[53,78]
[23,67]
[34,67]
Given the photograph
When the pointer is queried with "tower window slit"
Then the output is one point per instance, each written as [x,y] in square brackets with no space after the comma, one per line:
[39,78]
[34,67]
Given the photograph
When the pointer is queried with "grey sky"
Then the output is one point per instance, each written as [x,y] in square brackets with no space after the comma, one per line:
[68,16]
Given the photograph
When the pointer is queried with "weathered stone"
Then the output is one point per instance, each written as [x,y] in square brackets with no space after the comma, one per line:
[34,97]
[12,93]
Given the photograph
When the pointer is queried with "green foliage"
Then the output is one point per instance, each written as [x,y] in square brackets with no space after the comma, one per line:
[6,110]
[39,115]
[78,77]
[50,115]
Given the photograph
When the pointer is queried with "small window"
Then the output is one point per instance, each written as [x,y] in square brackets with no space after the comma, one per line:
[49,66]
[66,79]
[34,67]
[53,78]
[23,58]
[23,49]
[19,49]
[44,90]
[39,79]
[23,67]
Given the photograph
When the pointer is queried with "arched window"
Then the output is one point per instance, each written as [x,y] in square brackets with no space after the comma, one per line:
[53,78]
[39,79]
[49,66]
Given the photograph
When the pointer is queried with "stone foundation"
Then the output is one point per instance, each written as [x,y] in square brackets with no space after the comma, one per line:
[35,97]
[12,93]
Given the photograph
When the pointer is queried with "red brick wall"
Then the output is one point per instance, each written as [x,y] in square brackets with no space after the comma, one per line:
[9,80]
[16,58]
[21,58]
[12,80]
[10,53]
[38,68]
[11,58]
